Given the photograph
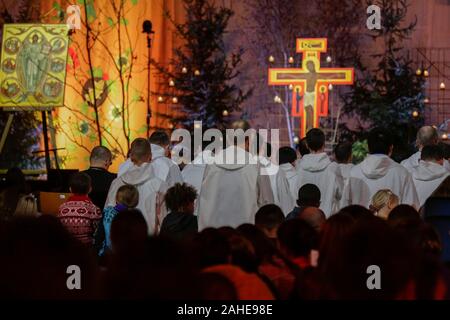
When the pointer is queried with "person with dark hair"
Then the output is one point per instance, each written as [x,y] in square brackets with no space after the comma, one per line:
[302,147]
[430,173]
[287,158]
[314,217]
[308,196]
[78,214]
[101,179]
[343,156]
[164,168]
[180,203]
[316,168]
[15,188]
[151,188]
[370,243]
[378,171]
[357,212]
[268,218]
[426,136]
[127,198]
[299,242]
[403,214]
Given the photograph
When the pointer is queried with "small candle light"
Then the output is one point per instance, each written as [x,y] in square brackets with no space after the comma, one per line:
[184,70]
[425,73]
[197,72]
[271,59]
[160,99]
[329,59]
[225,113]
[415,114]
[418,72]
[442,86]
[171,83]
[291,60]
[175,100]
[291,87]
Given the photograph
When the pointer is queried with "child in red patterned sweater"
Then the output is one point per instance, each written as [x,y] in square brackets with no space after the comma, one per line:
[78,214]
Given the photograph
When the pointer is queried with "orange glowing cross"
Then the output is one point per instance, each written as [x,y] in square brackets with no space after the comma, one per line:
[310,83]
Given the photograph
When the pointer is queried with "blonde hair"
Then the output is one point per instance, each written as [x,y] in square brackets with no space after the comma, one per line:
[381,199]
[27,206]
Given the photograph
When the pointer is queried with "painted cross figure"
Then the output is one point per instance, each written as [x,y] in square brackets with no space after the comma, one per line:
[310,83]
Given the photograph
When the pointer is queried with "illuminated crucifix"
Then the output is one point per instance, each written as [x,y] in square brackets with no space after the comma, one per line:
[310,83]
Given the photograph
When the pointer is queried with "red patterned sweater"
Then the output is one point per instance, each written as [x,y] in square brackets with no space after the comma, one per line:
[81,217]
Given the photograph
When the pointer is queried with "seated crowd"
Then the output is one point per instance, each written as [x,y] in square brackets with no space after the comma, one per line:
[227,231]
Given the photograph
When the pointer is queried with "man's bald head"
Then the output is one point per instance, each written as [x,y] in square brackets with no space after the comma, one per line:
[313,216]
[426,136]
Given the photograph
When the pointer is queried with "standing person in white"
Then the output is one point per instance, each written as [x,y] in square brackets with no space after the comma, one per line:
[378,171]
[233,188]
[343,156]
[287,158]
[165,168]
[316,168]
[430,173]
[151,188]
[426,136]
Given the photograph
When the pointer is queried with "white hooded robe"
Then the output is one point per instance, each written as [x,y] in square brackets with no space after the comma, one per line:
[318,169]
[427,177]
[151,193]
[232,191]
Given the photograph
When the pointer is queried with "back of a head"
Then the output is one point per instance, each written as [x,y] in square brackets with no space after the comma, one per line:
[100,153]
[286,155]
[427,135]
[210,248]
[432,153]
[302,147]
[269,217]
[297,238]
[314,217]
[315,138]
[140,150]
[445,147]
[128,195]
[27,207]
[160,138]
[80,183]
[403,213]
[381,198]
[179,197]
[373,243]
[357,212]
[242,251]
[379,141]
[343,152]
[308,196]
[128,232]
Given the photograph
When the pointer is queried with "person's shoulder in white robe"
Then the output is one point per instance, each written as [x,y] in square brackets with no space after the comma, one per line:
[427,177]
[151,193]
[412,162]
[376,172]
[292,177]
[317,169]
[232,191]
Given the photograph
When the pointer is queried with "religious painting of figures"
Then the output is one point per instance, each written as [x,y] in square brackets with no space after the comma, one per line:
[33,65]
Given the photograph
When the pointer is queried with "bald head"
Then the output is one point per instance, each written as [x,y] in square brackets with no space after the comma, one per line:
[313,216]
[426,136]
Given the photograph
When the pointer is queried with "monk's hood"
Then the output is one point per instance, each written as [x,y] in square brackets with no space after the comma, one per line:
[376,166]
[315,162]
[138,175]
[289,170]
[428,171]
[157,151]
[233,158]
[203,158]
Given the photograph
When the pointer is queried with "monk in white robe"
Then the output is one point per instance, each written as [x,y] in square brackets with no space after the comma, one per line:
[430,173]
[287,158]
[378,171]
[343,157]
[151,189]
[164,168]
[427,135]
[316,168]
[233,187]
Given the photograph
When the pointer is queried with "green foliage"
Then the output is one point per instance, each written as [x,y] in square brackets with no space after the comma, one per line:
[359,151]
[206,95]
[387,96]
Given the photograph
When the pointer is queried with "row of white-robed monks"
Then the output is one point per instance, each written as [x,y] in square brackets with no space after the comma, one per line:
[229,194]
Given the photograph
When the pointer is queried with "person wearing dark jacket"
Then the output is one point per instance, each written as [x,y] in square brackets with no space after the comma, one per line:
[181,221]
[100,161]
